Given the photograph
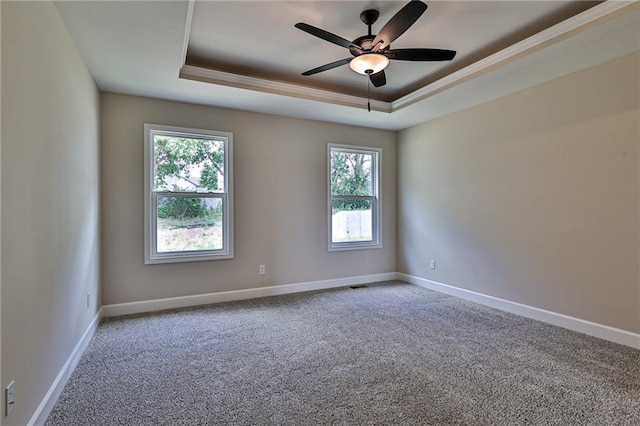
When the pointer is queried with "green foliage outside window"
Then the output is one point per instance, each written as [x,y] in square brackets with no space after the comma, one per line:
[182,208]
[178,157]
[351,175]
[197,163]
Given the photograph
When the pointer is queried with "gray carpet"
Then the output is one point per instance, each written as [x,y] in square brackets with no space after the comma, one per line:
[390,353]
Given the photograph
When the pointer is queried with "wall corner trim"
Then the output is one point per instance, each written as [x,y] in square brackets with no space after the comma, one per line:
[601,331]
[51,397]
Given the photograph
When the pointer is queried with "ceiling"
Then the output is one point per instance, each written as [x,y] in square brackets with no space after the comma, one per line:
[261,40]
[248,55]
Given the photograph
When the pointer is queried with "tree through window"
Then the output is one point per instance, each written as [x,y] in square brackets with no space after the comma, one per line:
[354,203]
[189,194]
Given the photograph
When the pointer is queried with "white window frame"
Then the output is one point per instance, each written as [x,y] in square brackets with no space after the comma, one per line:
[150,211]
[376,201]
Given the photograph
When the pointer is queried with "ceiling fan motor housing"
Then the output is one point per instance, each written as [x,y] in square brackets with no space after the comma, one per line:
[365,42]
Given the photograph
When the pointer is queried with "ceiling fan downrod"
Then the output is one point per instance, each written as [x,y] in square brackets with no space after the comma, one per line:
[369,17]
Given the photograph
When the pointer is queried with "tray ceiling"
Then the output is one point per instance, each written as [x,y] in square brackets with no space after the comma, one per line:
[258,38]
[248,55]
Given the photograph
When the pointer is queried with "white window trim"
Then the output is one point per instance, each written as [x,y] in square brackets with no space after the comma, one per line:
[376,201]
[151,256]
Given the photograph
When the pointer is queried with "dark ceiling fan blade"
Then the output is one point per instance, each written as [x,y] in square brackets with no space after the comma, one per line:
[420,54]
[325,35]
[400,23]
[378,79]
[328,66]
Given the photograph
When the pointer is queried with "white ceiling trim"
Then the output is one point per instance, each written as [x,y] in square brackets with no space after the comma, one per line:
[594,16]
[187,31]
[588,19]
[207,75]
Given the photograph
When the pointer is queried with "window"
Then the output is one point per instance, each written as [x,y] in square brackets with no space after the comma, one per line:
[354,198]
[188,190]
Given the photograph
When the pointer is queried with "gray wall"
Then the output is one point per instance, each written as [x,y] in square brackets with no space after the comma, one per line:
[533,197]
[280,184]
[50,200]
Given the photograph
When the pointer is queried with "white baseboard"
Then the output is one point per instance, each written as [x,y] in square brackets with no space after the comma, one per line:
[593,329]
[51,397]
[612,334]
[587,327]
[228,296]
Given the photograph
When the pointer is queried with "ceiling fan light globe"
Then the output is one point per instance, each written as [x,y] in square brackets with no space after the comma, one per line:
[369,63]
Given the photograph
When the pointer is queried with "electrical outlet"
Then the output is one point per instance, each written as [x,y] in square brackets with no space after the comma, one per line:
[88,300]
[262,270]
[432,264]
[10,397]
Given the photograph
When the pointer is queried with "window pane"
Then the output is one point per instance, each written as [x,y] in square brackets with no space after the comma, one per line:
[351,220]
[351,173]
[184,164]
[189,224]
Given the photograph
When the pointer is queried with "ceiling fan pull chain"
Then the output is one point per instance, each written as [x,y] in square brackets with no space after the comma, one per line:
[369,94]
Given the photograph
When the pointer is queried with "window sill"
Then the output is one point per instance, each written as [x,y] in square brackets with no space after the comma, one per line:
[178,258]
[351,246]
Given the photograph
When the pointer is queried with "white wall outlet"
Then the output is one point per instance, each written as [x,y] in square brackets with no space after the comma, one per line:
[88,300]
[10,397]
[262,269]
[432,264]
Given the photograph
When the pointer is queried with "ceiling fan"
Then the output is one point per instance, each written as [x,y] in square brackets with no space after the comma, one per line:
[371,53]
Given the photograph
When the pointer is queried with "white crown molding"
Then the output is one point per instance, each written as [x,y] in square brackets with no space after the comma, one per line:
[187,32]
[588,19]
[207,75]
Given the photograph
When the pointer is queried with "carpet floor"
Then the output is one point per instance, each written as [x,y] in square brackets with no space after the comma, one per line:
[386,354]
